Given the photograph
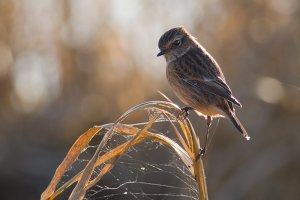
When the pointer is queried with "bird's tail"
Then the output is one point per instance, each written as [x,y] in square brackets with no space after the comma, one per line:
[238,125]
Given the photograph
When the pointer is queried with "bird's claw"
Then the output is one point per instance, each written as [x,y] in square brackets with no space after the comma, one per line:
[200,153]
[183,114]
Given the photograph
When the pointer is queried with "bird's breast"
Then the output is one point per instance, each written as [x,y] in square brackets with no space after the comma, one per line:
[181,89]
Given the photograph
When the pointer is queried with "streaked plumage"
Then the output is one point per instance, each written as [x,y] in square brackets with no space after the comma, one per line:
[196,78]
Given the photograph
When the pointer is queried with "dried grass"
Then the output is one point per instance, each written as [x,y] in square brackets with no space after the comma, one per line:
[187,149]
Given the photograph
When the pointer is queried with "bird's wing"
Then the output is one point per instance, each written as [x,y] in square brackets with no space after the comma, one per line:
[214,86]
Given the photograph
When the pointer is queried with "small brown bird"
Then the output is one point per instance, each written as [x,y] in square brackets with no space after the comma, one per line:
[197,79]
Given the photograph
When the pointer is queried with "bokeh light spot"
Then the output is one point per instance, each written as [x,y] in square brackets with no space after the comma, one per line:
[36,80]
[269,90]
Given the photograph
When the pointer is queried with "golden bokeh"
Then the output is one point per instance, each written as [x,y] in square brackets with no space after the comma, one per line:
[68,65]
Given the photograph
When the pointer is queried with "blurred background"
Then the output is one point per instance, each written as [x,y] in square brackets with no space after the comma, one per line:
[68,65]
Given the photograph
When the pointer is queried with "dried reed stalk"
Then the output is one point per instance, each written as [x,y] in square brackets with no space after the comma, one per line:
[187,150]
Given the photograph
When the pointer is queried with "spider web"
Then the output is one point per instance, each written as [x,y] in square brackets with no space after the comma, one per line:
[148,170]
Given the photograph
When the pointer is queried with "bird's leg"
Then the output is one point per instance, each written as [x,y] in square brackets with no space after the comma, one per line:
[203,150]
[184,112]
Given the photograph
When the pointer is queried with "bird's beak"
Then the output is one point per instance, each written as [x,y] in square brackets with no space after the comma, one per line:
[162,52]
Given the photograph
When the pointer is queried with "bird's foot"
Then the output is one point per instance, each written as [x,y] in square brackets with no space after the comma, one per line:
[200,153]
[184,112]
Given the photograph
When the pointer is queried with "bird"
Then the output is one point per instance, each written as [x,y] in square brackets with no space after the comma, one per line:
[197,79]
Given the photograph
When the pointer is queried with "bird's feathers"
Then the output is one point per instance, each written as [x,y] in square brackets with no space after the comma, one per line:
[216,87]
[196,77]
[235,121]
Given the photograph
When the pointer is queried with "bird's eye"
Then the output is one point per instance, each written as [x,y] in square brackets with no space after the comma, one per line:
[177,42]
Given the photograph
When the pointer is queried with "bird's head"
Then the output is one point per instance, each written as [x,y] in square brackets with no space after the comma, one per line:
[175,42]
